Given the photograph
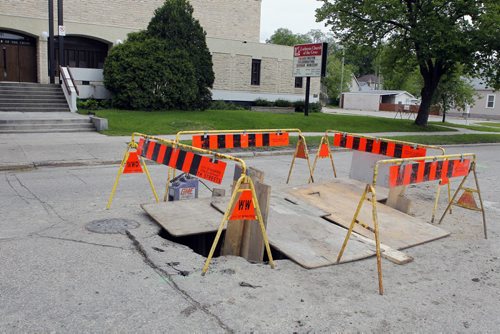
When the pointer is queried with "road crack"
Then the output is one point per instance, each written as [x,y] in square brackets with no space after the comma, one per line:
[78,241]
[174,285]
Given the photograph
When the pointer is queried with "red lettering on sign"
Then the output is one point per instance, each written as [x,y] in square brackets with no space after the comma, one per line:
[244,208]
[308,50]
[133,165]
[279,139]
[211,170]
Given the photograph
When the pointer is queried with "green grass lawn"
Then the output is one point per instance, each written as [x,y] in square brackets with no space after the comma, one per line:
[451,139]
[494,125]
[170,122]
[474,127]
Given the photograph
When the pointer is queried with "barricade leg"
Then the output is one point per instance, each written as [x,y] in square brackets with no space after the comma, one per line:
[480,201]
[453,198]
[434,209]
[221,226]
[354,218]
[115,185]
[146,170]
[369,188]
[292,164]
[377,240]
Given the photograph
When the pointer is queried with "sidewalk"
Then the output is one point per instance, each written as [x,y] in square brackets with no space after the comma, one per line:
[23,151]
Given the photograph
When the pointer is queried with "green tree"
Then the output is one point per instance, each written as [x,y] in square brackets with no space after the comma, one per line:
[145,73]
[398,72]
[438,34]
[167,66]
[174,22]
[334,77]
[454,92]
[284,36]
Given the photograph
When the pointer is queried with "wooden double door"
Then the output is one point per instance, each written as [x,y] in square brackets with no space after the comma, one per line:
[17,58]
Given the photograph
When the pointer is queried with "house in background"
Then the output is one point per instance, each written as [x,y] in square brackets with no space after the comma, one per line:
[378,100]
[487,102]
[370,82]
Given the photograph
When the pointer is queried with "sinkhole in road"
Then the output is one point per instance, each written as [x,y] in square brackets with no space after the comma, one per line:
[201,244]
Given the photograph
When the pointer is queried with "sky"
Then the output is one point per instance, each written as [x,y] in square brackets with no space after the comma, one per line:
[296,15]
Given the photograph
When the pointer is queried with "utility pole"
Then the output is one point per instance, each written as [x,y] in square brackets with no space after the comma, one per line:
[60,23]
[342,74]
[51,42]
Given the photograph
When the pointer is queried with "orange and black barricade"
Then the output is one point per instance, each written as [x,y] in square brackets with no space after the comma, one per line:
[411,171]
[383,146]
[254,138]
[207,165]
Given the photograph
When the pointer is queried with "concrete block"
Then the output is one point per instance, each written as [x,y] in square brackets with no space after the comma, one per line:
[99,123]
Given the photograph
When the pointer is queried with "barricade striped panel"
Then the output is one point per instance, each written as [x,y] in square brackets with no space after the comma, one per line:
[422,171]
[188,162]
[378,146]
[241,140]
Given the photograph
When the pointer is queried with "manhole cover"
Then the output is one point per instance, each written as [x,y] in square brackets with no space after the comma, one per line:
[111,226]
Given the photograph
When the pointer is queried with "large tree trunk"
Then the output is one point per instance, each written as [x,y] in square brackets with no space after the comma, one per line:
[425,106]
[431,74]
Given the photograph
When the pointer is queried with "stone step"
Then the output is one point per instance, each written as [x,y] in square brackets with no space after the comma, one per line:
[36,109]
[26,84]
[7,90]
[45,131]
[46,121]
[48,126]
[40,104]
[30,99]
[33,95]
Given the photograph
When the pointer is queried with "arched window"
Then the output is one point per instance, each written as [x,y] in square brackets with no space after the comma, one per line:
[82,52]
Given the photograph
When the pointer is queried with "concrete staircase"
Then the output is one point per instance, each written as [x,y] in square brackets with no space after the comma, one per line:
[39,125]
[31,97]
[36,108]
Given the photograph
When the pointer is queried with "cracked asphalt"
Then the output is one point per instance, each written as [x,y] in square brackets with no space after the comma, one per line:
[58,277]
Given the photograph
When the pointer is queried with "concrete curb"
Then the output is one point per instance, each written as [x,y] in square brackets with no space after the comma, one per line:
[80,163]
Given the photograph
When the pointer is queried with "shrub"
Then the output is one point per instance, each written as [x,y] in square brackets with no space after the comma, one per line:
[282,103]
[313,107]
[151,74]
[89,104]
[222,105]
[167,66]
[263,103]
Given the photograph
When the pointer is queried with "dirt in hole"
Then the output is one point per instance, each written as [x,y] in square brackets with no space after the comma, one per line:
[201,244]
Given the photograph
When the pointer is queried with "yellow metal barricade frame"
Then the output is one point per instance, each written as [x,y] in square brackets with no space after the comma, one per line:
[249,131]
[326,140]
[131,145]
[371,189]
[244,179]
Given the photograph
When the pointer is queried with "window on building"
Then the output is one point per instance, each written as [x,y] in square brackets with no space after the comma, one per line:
[256,72]
[298,82]
[490,101]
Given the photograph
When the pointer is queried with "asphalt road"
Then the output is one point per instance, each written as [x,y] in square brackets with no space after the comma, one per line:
[56,276]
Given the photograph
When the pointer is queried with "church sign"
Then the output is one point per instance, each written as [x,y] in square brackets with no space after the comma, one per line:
[309,60]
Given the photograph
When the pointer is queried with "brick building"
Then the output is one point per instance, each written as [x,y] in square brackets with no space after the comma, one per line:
[244,68]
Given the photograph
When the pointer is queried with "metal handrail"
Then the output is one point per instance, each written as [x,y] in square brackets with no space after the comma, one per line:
[73,81]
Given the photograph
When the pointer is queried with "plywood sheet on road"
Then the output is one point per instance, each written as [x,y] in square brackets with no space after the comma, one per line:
[397,230]
[303,236]
[189,217]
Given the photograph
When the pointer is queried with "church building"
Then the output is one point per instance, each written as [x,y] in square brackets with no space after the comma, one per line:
[245,69]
